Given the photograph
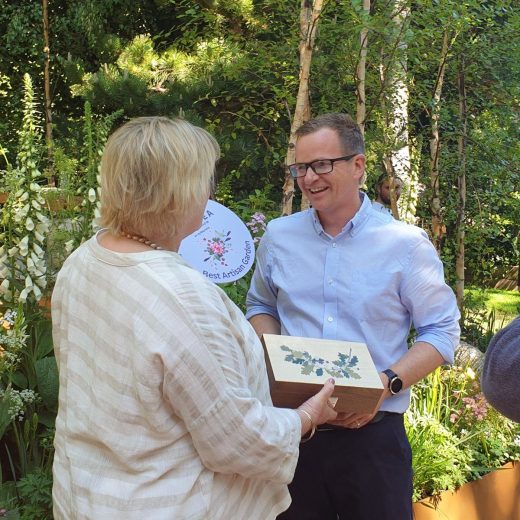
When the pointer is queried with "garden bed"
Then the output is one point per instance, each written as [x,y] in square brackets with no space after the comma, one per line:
[496,496]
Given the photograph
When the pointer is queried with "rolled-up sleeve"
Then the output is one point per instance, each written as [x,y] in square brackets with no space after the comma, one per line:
[431,301]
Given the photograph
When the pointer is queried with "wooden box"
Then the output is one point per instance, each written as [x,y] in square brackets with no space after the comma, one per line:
[298,368]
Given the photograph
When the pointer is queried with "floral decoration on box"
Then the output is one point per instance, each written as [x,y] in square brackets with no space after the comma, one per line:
[345,366]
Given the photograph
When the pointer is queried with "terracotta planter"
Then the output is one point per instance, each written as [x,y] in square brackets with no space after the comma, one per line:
[496,496]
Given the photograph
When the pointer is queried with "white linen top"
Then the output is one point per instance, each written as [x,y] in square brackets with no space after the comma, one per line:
[164,406]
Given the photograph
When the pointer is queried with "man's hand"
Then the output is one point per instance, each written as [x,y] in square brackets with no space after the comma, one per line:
[352,420]
[357,420]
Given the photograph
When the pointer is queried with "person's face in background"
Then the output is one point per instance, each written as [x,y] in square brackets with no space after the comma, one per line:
[384,191]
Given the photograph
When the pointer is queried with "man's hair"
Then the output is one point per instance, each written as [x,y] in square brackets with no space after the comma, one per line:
[153,170]
[346,128]
[384,177]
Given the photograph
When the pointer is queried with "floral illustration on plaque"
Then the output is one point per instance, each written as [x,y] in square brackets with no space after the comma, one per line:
[346,365]
[217,247]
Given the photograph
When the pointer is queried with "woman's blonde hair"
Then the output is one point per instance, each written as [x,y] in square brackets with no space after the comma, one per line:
[153,171]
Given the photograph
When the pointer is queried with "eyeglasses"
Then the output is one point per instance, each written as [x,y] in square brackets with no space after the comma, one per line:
[319,167]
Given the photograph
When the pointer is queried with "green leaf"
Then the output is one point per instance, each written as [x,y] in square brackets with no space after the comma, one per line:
[19,380]
[47,418]
[47,379]
[44,338]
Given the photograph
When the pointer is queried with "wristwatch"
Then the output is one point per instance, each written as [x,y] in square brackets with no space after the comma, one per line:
[395,383]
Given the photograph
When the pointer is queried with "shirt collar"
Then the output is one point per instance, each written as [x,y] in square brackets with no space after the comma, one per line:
[354,224]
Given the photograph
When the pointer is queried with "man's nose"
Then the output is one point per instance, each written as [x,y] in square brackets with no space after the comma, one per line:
[312,173]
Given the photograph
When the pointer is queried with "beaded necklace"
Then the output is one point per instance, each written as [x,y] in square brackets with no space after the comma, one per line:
[142,240]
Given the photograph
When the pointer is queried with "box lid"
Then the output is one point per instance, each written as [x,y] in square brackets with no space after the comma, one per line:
[298,367]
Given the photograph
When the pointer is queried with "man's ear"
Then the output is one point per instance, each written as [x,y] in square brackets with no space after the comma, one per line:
[359,166]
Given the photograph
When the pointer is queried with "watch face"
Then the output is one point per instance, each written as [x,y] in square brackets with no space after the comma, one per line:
[396,385]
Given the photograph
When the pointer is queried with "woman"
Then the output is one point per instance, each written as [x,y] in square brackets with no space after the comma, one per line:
[164,408]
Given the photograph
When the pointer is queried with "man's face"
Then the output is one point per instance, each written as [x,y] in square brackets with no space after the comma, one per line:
[332,192]
[384,191]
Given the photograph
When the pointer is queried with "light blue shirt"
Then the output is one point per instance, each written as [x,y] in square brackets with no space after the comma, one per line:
[381,207]
[368,284]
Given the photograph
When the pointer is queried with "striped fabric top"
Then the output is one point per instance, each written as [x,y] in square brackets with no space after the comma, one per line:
[164,407]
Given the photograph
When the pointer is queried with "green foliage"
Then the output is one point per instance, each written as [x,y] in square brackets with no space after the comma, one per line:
[455,435]
[28,406]
[439,462]
[35,491]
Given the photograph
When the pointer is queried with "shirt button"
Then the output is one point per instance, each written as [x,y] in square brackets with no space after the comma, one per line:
[330,318]
[330,281]
[334,244]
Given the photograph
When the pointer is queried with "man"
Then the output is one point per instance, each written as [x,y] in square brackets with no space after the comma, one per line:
[343,271]
[383,202]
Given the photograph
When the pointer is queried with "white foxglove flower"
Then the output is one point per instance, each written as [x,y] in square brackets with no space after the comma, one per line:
[36,205]
[29,224]
[23,295]
[41,228]
[37,249]
[40,217]
[24,197]
[37,293]
[28,282]
[92,195]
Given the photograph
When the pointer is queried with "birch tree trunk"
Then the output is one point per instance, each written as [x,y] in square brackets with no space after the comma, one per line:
[309,15]
[395,107]
[47,94]
[438,229]
[361,107]
[460,230]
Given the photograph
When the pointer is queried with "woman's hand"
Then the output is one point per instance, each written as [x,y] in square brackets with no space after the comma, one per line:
[319,408]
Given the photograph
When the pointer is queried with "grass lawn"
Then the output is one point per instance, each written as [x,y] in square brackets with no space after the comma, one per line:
[506,304]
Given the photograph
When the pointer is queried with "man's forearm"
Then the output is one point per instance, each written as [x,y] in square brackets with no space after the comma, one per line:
[421,359]
[265,324]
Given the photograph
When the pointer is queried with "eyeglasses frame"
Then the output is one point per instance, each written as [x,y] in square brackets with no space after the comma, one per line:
[310,165]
